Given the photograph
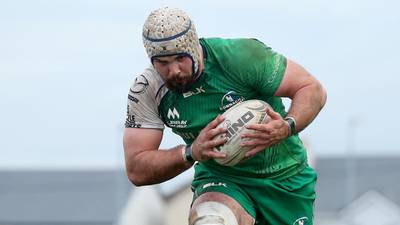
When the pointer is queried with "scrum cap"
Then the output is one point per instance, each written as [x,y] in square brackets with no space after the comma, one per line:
[169,31]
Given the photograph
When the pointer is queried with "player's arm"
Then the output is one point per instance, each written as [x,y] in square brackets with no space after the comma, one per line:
[145,163]
[308,97]
[306,92]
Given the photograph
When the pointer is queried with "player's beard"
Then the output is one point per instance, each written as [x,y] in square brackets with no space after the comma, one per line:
[181,83]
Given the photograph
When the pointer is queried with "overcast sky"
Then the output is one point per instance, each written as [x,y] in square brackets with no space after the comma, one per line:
[66,66]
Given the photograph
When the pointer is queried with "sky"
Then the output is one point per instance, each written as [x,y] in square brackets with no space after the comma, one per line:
[66,68]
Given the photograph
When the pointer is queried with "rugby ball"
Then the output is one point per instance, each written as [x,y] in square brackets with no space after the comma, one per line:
[236,117]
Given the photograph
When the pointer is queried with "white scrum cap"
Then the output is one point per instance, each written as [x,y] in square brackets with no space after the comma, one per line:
[169,31]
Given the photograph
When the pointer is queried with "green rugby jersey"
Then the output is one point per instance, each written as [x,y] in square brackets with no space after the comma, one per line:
[235,70]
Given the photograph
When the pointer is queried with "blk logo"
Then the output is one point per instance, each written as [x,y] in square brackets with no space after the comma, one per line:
[197,91]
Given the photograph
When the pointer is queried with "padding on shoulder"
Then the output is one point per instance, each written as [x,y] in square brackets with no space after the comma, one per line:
[212,213]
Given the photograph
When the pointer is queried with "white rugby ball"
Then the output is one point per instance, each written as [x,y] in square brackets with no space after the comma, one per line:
[239,115]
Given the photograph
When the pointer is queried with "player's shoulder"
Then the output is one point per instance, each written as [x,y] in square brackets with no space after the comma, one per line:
[235,50]
[143,100]
[237,53]
[233,43]
[149,83]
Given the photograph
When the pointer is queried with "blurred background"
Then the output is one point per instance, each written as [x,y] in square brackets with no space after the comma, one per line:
[65,71]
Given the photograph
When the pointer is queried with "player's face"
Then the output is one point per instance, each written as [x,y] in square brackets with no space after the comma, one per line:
[176,70]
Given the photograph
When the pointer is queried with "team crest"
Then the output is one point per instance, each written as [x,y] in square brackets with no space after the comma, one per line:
[301,221]
[140,85]
[230,99]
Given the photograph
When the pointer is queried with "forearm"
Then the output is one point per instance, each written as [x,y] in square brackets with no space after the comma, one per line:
[155,166]
[307,102]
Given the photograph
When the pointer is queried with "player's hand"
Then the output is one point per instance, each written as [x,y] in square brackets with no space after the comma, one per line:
[265,135]
[203,145]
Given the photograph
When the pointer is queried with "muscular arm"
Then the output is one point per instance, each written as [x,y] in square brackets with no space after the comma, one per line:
[145,164]
[307,94]
[308,97]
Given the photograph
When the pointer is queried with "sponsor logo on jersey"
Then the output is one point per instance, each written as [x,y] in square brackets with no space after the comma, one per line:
[277,64]
[230,99]
[130,97]
[131,123]
[173,116]
[214,184]
[300,221]
[140,85]
[197,91]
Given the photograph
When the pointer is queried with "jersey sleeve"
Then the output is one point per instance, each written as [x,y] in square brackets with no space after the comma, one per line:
[255,65]
[142,110]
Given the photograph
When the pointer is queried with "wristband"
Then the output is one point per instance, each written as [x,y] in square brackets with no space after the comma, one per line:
[292,124]
[187,154]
